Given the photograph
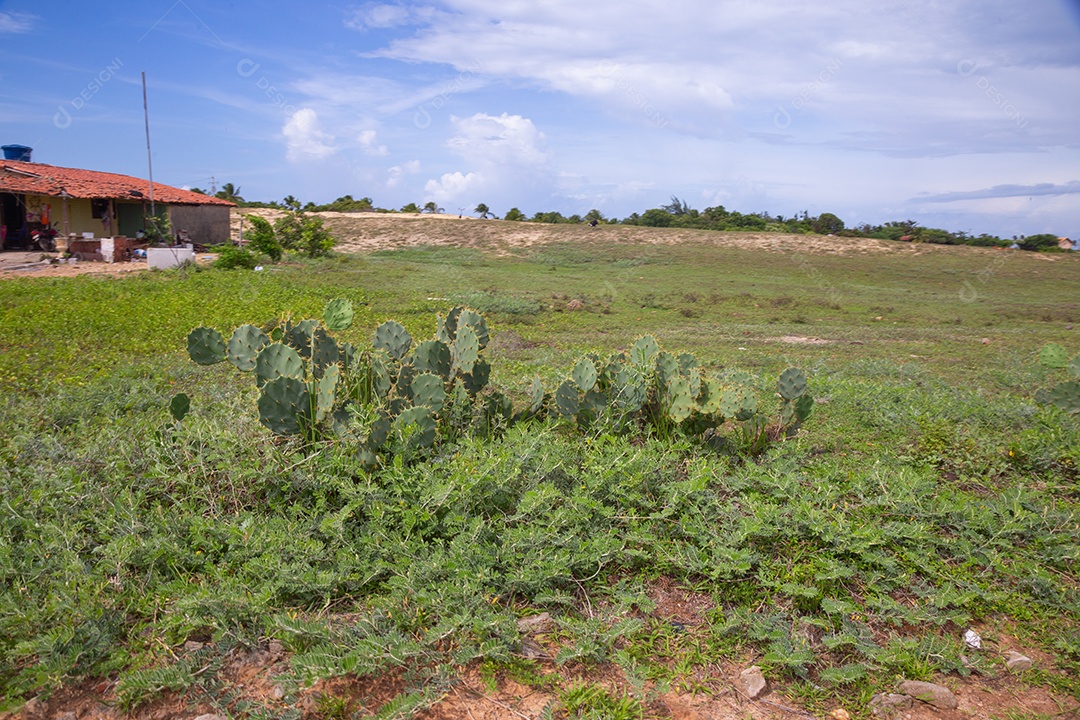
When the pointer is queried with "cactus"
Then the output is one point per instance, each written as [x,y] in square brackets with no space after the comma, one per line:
[477,380]
[277,360]
[804,407]
[667,368]
[1054,356]
[448,328]
[299,336]
[475,320]
[792,384]
[392,337]
[427,390]
[433,356]
[179,406]
[584,375]
[567,401]
[379,432]
[326,392]
[730,402]
[643,350]
[1066,396]
[465,349]
[283,405]
[689,369]
[308,379]
[403,382]
[206,346]
[324,352]
[415,428]
[748,408]
[679,401]
[593,403]
[498,412]
[629,391]
[536,395]
[338,315]
[244,346]
[709,396]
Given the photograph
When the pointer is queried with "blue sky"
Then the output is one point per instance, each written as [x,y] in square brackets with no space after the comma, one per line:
[961,115]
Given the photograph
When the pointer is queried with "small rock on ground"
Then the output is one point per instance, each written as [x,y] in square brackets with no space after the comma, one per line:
[884,704]
[937,695]
[536,624]
[1017,662]
[752,682]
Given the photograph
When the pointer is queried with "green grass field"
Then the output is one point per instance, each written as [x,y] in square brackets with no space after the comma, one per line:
[929,493]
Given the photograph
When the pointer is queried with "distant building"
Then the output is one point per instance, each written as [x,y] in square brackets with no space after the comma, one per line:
[1066,244]
[105,204]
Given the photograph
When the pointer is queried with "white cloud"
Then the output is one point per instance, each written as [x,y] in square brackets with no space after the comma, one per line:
[723,69]
[382,15]
[305,138]
[506,156]
[16,22]
[370,144]
[397,173]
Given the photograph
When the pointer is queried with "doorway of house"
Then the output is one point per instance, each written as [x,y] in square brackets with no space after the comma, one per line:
[12,219]
[129,219]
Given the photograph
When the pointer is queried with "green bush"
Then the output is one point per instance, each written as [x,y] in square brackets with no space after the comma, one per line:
[230,256]
[261,238]
[299,233]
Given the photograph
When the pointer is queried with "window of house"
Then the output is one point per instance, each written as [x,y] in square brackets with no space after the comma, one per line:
[98,208]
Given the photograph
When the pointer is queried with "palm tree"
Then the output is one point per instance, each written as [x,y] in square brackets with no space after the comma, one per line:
[230,193]
[483,209]
[431,207]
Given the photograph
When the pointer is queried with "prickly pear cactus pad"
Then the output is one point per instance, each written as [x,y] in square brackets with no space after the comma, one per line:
[792,384]
[179,406]
[643,350]
[567,401]
[1053,356]
[277,360]
[433,356]
[282,405]
[206,346]
[584,374]
[465,349]
[392,337]
[427,390]
[476,321]
[1066,396]
[244,346]
[338,315]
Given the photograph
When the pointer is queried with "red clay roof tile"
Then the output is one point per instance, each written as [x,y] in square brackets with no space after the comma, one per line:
[50,180]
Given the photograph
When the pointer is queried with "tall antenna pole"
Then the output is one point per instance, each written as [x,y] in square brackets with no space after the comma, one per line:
[149,159]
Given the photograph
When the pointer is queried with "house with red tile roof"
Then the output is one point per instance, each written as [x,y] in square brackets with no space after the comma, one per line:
[105,204]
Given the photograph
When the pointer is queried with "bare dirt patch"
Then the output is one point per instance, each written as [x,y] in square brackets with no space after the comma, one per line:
[36,264]
[800,340]
[370,231]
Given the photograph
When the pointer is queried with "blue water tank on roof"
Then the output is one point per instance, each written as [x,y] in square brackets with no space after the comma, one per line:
[17,152]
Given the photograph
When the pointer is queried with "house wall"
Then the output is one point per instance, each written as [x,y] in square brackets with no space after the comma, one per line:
[79,215]
[205,224]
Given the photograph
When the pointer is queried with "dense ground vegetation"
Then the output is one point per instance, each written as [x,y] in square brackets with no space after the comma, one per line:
[929,493]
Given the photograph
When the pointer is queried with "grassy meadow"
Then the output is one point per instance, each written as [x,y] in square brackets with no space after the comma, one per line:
[928,494]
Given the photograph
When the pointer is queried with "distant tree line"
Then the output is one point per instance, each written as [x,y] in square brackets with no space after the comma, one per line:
[679,214]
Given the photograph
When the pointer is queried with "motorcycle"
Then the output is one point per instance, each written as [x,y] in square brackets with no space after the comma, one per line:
[44,239]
